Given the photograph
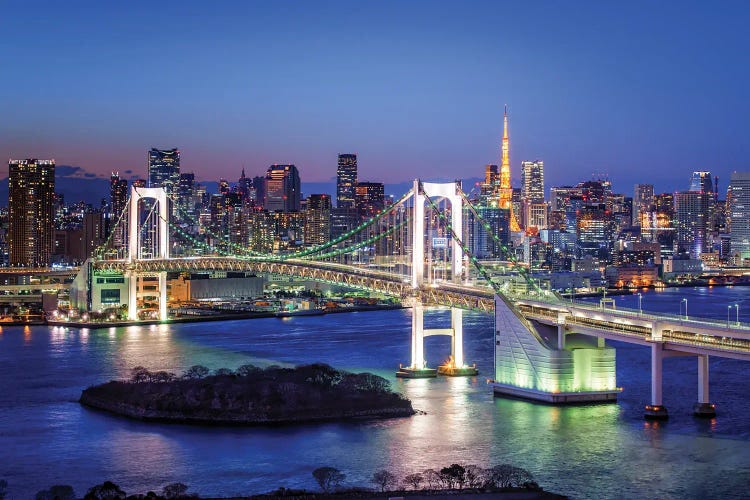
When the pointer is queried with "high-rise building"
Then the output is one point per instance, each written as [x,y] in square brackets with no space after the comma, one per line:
[740,213]
[701,182]
[643,199]
[163,168]
[31,212]
[369,198]
[186,202]
[118,196]
[692,220]
[318,219]
[490,188]
[346,180]
[532,181]
[93,232]
[283,189]
[259,184]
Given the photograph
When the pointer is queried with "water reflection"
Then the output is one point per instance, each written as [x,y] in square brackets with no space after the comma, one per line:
[603,451]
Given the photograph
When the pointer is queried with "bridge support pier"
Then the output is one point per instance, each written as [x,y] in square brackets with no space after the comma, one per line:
[455,367]
[703,408]
[656,410]
[132,278]
[418,368]
[163,296]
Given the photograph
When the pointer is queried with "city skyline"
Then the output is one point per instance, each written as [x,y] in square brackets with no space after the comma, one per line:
[569,104]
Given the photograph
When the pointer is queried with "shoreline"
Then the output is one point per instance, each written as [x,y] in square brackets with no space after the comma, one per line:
[154,416]
[216,317]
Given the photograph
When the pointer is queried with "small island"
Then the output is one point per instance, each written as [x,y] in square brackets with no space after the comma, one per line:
[249,396]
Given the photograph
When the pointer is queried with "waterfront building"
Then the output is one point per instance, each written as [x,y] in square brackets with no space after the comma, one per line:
[282,189]
[740,214]
[346,180]
[369,198]
[31,211]
[163,168]
[318,219]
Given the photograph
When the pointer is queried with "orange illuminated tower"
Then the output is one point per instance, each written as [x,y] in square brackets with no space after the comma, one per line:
[506,191]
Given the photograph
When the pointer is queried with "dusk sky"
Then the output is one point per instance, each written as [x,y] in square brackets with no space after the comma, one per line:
[641,91]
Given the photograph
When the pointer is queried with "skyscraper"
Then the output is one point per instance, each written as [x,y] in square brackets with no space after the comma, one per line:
[318,219]
[532,181]
[282,189]
[31,204]
[118,195]
[163,168]
[643,199]
[346,180]
[692,218]
[740,214]
[370,198]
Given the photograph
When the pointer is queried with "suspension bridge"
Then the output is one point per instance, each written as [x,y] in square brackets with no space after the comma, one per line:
[546,348]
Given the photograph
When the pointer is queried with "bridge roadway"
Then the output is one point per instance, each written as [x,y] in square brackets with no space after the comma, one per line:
[675,333]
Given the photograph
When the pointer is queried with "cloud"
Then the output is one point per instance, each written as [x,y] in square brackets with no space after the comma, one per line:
[128,172]
[89,175]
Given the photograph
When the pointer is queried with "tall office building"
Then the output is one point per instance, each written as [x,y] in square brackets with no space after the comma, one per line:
[643,199]
[282,189]
[740,212]
[692,220]
[490,188]
[186,201]
[31,212]
[701,181]
[532,181]
[163,168]
[346,180]
[118,196]
[369,198]
[318,219]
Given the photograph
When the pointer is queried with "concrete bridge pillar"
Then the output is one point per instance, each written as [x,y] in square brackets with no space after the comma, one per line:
[417,336]
[132,295]
[561,331]
[163,295]
[704,407]
[457,340]
[656,410]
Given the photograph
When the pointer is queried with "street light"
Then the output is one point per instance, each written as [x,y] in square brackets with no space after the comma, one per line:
[685,301]
[737,310]
[640,303]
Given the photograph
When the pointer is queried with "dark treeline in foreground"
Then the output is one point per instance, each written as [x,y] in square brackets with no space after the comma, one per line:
[453,479]
[249,395]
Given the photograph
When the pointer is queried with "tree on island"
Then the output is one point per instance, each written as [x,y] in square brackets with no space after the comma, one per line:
[57,492]
[385,480]
[413,480]
[175,491]
[329,478]
[453,476]
[507,476]
[140,374]
[105,491]
[196,372]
